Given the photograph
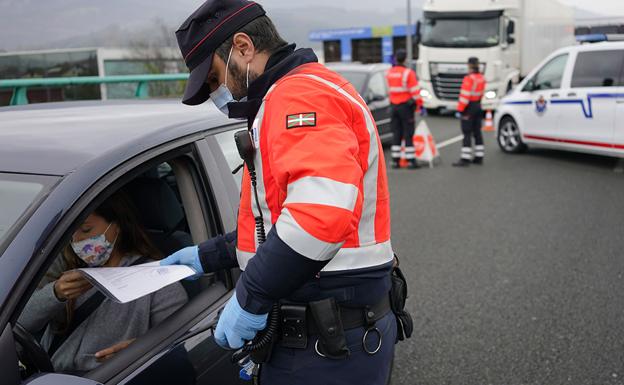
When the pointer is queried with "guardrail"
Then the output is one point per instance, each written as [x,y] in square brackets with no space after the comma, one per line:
[20,86]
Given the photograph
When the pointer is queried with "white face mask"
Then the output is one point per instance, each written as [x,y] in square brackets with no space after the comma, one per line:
[94,251]
[222,96]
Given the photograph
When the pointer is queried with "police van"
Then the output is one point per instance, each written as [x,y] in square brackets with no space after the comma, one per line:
[573,100]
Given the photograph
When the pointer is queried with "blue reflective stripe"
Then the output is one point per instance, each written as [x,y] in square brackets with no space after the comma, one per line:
[587,111]
[520,102]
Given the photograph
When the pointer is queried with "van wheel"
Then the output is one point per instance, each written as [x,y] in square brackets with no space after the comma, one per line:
[509,138]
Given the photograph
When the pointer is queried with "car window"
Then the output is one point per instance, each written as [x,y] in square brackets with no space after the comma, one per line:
[17,194]
[143,220]
[598,69]
[228,147]
[377,84]
[549,76]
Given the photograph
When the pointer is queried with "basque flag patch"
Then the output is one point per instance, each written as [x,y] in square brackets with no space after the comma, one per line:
[304,119]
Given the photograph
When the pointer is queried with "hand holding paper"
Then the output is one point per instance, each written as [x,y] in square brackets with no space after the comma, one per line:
[125,284]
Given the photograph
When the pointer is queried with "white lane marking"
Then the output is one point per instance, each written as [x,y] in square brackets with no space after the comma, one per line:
[450,141]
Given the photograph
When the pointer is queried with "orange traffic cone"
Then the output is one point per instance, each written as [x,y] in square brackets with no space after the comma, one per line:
[489,125]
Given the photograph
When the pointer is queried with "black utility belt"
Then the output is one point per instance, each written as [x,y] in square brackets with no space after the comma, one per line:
[327,322]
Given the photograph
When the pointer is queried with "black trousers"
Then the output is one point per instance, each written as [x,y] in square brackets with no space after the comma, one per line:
[471,121]
[306,367]
[403,125]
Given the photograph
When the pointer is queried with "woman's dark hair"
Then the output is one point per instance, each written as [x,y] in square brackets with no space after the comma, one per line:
[132,240]
[263,34]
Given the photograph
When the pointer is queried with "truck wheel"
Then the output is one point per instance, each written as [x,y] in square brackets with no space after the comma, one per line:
[509,138]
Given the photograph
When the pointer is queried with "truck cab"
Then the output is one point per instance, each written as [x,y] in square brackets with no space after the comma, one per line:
[497,32]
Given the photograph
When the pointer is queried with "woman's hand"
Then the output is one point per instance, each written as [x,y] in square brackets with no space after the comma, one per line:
[70,285]
[109,352]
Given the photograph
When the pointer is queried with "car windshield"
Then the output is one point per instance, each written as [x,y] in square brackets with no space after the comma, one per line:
[461,32]
[17,194]
[357,79]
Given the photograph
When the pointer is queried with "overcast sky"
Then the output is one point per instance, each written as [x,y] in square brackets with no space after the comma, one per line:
[607,7]
[36,24]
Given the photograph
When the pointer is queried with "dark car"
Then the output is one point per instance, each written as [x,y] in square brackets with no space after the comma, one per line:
[58,162]
[370,81]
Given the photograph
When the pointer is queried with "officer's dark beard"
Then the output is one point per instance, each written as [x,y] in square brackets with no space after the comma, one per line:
[238,82]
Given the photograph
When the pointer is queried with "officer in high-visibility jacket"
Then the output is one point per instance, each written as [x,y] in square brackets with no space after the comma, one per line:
[405,99]
[470,113]
[315,183]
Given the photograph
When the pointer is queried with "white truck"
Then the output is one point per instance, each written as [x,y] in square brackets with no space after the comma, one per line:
[509,37]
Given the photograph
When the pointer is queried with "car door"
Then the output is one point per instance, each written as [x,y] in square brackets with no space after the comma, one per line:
[195,358]
[618,125]
[181,349]
[376,95]
[588,105]
[540,116]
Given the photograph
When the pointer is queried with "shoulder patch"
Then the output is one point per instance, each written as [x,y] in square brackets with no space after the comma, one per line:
[303,119]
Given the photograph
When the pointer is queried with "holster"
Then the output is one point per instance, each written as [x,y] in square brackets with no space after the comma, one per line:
[398,296]
[332,342]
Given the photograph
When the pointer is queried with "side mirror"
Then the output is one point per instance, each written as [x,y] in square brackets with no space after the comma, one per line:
[417,35]
[511,29]
[61,379]
[529,86]
[372,97]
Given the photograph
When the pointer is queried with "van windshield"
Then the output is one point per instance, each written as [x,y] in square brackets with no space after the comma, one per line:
[457,32]
[17,194]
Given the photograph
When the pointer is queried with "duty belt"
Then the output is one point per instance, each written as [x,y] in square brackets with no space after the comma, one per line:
[328,321]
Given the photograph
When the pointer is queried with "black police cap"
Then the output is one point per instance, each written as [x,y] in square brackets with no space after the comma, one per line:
[203,32]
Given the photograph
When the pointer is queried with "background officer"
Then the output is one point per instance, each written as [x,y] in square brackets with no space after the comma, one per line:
[313,226]
[471,114]
[405,99]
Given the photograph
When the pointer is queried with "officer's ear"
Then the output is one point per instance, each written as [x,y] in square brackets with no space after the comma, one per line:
[243,46]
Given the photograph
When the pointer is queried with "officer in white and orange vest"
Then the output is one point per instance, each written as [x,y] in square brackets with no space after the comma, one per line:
[405,99]
[313,236]
[470,113]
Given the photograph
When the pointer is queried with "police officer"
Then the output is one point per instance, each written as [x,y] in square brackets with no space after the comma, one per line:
[470,113]
[313,234]
[405,99]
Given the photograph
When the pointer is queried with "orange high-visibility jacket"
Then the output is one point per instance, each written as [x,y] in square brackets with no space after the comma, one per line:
[472,89]
[403,85]
[321,174]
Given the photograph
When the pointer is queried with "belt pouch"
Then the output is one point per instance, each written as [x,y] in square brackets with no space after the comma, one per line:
[398,296]
[332,342]
[294,327]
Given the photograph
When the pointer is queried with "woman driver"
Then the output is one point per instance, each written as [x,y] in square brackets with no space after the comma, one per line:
[111,236]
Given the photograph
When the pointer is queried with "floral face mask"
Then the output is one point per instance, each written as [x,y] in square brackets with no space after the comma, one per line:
[94,251]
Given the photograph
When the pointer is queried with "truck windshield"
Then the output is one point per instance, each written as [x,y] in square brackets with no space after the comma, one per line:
[18,193]
[470,32]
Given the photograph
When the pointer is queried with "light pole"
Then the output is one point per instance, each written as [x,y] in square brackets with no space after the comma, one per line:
[408,34]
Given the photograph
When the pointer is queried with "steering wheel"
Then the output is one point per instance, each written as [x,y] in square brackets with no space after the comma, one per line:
[31,354]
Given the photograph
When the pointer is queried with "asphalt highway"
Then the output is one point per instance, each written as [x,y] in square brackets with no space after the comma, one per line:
[515,267]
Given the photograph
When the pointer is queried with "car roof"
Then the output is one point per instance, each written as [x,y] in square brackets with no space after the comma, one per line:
[56,138]
[358,67]
[600,46]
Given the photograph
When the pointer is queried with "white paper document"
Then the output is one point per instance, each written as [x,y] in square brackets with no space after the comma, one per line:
[125,284]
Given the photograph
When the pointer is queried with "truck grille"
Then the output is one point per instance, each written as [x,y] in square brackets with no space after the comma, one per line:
[446,86]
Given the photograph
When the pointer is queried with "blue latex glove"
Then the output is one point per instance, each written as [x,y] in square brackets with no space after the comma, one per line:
[237,325]
[423,111]
[458,115]
[187,256]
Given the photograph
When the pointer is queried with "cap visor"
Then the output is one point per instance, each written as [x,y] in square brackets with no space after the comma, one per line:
[197,91]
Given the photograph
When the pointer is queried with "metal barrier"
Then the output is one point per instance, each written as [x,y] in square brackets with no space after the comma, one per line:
[21,86]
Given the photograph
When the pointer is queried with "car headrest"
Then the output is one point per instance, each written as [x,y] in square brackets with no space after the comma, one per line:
[156,203]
